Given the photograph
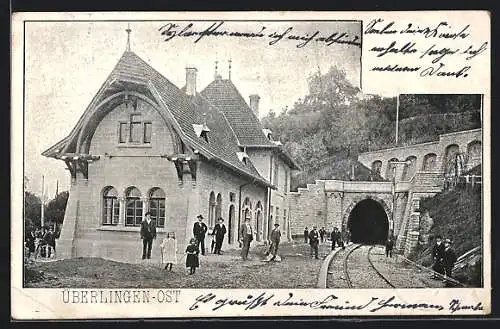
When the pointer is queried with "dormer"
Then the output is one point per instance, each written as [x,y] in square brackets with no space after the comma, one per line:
[243,157]
[268,133]
[201,131]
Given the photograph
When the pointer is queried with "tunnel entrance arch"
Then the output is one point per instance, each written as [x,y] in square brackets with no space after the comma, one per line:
[368,220]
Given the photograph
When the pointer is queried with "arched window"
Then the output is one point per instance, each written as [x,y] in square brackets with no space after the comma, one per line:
[474,152]
[211,210]
[218,207]
[376,166]
[429,161]
[111,211]
[390,169]
[259,220]
[450,159]
[410,168]
[157,206]
[133,206]
[247,209]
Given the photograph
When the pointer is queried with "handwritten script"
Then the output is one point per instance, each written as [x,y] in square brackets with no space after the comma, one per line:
[258,31]
[437,50]
[329,302]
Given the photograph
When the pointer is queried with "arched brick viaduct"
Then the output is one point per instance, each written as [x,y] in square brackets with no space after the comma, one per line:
[328,203]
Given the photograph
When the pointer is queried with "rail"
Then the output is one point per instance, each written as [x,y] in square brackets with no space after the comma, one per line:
[378,272]
[437,274]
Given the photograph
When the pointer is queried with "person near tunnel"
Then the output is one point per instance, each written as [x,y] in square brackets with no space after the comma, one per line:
[314,242]
[389,246]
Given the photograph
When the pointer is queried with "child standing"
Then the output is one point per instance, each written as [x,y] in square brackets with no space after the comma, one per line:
[192,260]
[169,250]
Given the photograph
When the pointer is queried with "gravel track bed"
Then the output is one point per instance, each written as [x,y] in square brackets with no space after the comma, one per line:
[400,273]
[336,276]
[361,272]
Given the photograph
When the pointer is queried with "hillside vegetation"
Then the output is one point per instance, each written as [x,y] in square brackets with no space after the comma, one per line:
[327,128]
[456,215]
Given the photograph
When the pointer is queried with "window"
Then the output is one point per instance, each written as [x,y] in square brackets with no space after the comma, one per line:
[232,196]
[135,131]
[123,132]
[218,207]
[157,206]
[111,211]
[277,214]
[133,207]
[147,132]
[247,209]
[211,210]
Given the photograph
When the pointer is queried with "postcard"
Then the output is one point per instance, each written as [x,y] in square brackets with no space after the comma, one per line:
[242,164]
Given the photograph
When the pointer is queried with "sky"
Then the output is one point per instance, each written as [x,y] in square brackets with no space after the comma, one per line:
[66,63]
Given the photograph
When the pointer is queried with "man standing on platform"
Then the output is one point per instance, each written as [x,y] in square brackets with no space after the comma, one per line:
[219,232]
[314,242]
[322,233]
[199,231]
[148,234]
[275,240]
[246,237]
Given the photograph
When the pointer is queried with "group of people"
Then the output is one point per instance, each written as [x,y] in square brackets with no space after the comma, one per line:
[169,244]
[246,234]
[315,236]
[444,258]
[41,243]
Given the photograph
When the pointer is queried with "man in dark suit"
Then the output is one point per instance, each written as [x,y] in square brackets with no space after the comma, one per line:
[148,234]
[246,237]
[438,255]
[449,258]
[219,232]
[322,233]
[314,242]
[275,240]
[199,231]
[306,234]
[335,237]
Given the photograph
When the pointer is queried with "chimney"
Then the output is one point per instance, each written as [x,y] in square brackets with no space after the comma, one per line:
[191,81]
[254,104]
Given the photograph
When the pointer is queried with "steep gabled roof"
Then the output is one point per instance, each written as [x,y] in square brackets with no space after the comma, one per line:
[184,111]
[223,94]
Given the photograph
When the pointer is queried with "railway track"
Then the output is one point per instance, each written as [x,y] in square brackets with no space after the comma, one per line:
[366,266]
[363,274]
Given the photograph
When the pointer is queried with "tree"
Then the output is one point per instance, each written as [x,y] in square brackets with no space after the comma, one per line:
[32,211]
[56,208]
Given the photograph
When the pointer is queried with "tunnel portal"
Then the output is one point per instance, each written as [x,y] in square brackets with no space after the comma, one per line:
[368,223]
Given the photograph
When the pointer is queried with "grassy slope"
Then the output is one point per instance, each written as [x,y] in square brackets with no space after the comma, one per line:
[457,216]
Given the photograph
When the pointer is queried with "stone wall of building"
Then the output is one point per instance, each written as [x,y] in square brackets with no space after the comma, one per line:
[123,166]
[308,207]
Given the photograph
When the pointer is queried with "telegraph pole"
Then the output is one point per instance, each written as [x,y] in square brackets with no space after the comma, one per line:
[42,219]
[393,190]
[397,118]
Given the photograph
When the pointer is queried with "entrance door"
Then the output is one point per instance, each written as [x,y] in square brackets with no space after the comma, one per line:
[231,225]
